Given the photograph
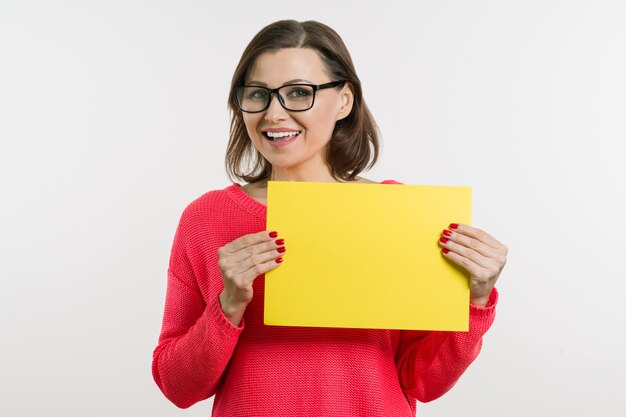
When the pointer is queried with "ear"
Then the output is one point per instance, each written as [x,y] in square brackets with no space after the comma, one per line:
[346,100]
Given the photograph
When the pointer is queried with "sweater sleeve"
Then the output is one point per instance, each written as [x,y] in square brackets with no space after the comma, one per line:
[430,362]
[196,340]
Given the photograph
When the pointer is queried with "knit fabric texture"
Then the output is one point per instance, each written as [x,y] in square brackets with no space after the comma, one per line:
[258,370]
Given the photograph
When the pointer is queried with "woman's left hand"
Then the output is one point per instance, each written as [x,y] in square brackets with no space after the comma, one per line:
[479,254]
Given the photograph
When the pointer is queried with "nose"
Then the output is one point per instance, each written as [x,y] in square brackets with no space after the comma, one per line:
[275,111]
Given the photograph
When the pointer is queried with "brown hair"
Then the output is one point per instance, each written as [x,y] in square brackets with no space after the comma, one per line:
[354,144]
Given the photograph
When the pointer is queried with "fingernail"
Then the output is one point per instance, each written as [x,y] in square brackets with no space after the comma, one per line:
[280,242]
[281,249]
[453,225]
[444,250]
[447,232]
[279,260]
[273,234]
[443,240]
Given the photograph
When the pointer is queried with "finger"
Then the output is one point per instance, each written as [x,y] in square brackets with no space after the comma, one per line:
[466,252]
[248,240]
[249,251]
[257,259]
[251,274]
[471,243]
[476,233]
[469,265]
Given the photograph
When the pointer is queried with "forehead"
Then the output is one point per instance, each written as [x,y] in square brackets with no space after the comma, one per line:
[276,68]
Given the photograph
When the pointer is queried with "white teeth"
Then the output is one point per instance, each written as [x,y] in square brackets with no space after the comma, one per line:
[281,134]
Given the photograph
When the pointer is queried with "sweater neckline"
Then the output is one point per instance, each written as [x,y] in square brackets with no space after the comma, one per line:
[256,207]
[253,206]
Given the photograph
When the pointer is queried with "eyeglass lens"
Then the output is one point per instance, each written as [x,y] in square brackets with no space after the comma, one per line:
[293,97]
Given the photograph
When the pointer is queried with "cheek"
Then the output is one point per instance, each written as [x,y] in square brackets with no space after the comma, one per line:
[321,122]
[251,122]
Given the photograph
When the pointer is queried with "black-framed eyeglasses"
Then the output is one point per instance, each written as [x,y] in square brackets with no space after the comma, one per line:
[293,97]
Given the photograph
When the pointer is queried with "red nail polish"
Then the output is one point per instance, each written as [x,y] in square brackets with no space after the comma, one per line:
[279,260]
[447,233]
[453,225]
[273,234]
[281,249]
[443,240]
[444,250]
[280,242]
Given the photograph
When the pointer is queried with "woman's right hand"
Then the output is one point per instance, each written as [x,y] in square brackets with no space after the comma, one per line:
[240,262]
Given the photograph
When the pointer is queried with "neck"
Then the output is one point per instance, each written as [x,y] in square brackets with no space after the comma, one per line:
[301,175]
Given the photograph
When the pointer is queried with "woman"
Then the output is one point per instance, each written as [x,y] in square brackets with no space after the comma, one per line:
[298,115]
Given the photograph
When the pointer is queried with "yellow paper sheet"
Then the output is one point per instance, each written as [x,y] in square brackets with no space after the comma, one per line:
[366,256]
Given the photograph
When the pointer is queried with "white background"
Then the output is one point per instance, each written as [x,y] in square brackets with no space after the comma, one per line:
[113,118]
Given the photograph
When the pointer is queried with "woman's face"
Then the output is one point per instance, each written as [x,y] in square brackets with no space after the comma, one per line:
[299,158]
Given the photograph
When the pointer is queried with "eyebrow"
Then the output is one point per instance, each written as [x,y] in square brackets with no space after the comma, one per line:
[286,82]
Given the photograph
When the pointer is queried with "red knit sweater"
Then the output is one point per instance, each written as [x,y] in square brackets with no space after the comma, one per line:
[257,370]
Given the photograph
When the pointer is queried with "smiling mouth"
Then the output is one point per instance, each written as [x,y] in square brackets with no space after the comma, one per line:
[280,136]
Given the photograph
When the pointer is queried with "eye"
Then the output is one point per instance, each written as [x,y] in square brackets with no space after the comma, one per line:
[298,92]
[256,93]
